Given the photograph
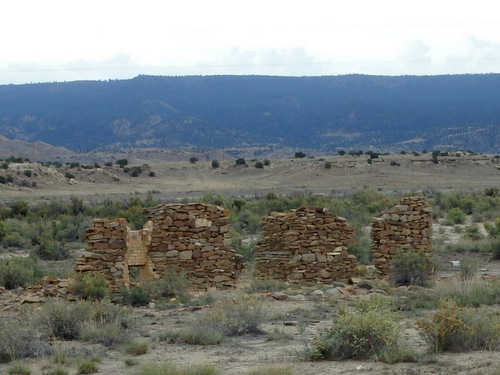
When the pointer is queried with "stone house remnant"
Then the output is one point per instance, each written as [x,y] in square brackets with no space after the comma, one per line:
[305,246]
[406,227]
[190,238]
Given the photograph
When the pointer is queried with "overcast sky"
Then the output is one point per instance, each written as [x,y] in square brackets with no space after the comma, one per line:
[67,40]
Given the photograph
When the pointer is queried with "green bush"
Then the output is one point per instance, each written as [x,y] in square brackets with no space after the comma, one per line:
[365,333]
[89,287]
[240,161]
[259,165]
[18,369]
[215,164]
[455,216]
[455,328]
[51,250]
[409,268]
[137,348]
[17,272]
[86,366]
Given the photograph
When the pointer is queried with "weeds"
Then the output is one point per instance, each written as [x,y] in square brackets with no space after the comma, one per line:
[408,268]
[86,366]
[273,370]
[136,348]
[455,328]
[18,369]
[168,368]
[369,332]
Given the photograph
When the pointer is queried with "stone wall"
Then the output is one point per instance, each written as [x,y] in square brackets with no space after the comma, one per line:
[191,238]
[305,246]
[105,251]
[195,239]
[406,227]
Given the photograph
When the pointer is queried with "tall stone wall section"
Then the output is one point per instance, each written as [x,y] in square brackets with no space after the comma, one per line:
[105,251]
[305,246]
[406,227]
[195,239]
[191,238]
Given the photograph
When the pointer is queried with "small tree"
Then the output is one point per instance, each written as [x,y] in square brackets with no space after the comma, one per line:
[240,161]
[299,155]
[122,162]
[341,152]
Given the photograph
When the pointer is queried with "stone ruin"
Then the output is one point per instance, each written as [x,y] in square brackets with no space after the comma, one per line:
[192,238]
[306,246]
[407,227]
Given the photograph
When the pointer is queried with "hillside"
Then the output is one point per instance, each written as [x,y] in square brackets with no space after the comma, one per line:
[324,113]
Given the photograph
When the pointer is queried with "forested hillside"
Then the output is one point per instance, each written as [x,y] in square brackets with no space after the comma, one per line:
[354,111]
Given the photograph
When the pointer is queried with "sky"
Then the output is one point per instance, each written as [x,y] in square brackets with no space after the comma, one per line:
[69,40]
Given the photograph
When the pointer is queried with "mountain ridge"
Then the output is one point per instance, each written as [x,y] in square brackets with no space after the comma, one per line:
[382,113]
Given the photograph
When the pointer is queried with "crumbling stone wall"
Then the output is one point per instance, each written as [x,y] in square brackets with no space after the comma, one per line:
[190,238]
[105,250]
[196,239]
[305,246]
[406,227]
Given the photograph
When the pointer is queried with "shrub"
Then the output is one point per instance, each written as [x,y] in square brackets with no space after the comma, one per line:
[235,317]
[259,165]
[215,164]
[273,370]
[18,369]
[51,250]
[122,162]
[57,371]
[151,174]
[328,165]
[193,160]
[86,366]
[101,331]
[240,161]
[468,269]
[21,339]
[137,348]
[455,328]
[65,320]
[168,368]
[361,334]
[299,155]
[493,229]
[17,272]
[409,268]
[202,333]
[455,216]
[267,162]
[90,287]
[69,175]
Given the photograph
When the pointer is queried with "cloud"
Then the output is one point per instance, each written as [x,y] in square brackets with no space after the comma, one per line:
[117,66]
[287,61]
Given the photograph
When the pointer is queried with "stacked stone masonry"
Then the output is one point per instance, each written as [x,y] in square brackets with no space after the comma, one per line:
[306,246]
[193,239]
[105,251]
[407,227]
